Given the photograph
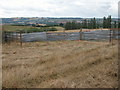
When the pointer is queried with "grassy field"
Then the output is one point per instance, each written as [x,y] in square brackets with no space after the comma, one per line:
[71,64]
[28,29]
[41,29]
[61,29]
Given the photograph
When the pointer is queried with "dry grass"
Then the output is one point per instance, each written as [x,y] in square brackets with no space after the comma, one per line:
[59,64]
[60,29]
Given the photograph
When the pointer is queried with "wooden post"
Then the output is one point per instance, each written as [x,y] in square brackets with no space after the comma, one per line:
[16,36]
[20,38]
[4,36]
[110,37]
[80,32]
[12,37]
[114,33]
[8,39]
[64,34]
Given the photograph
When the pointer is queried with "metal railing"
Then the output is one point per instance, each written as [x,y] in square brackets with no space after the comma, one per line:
[98,35]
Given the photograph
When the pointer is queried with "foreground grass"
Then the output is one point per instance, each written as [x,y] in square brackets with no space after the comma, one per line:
[79,64]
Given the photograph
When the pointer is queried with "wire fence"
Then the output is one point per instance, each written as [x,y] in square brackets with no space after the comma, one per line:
[98,35]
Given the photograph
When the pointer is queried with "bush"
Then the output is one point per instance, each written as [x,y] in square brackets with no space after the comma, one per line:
[30,30]
[34,30]
[52,29]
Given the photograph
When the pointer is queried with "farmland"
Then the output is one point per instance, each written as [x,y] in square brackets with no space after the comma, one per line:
[27,29]
[41,29]
[71,64]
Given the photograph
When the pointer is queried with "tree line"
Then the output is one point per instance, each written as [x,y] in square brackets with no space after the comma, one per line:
[91,24]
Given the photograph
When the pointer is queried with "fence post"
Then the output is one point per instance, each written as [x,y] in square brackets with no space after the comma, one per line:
[110,37]
[8,37]
[20,38]
[80,32]
[4,38]
[114,33]
[16,36]
[12,38]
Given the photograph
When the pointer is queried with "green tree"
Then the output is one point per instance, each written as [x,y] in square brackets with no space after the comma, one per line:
[89,24]
[73,25]
[97,25]
[115,24]
[84,24]
[79,25]
[109,21]
[118,24]
[94,23]
[67,26]
[61,24]
[104,22]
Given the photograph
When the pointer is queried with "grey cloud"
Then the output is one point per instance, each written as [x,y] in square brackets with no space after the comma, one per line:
[80,8]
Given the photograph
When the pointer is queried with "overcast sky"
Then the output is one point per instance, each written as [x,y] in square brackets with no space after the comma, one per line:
[58,8]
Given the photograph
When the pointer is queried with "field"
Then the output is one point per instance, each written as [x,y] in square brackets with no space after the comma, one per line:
[67,64]
[41,29]
[27,29]
[60,29]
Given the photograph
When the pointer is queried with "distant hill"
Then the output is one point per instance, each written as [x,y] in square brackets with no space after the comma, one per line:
[43,20]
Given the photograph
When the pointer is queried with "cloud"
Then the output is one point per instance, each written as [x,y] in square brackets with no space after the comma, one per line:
[58,8]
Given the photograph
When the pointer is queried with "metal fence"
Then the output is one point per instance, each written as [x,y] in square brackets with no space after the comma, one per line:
[98,35]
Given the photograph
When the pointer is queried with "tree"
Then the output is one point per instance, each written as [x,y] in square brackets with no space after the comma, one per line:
[79,25]
[71,25]
[97,25]
[94,23]
[118,24]
[84,24]
[89,24]
[115,24]
[61,24]
[67,26]
[104,22]
[109,22]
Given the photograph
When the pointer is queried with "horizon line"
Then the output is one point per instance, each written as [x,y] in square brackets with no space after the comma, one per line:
[56,17]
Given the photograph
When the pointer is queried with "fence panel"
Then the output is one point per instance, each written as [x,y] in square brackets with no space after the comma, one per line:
[98,35]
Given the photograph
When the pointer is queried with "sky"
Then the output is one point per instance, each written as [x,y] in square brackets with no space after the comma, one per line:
[58,8]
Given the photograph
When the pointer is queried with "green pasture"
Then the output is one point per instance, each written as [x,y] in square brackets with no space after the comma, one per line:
[27,29]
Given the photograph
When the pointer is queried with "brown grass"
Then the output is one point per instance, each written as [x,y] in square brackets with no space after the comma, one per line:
[60,29]
[59,64]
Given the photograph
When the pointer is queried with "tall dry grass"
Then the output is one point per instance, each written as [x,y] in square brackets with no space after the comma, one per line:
[59,64]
